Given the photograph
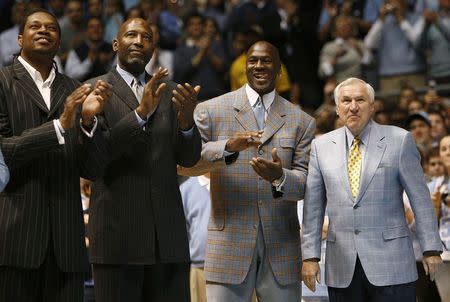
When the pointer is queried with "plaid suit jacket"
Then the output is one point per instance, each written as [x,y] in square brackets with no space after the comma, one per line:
[373,226]
[241,199]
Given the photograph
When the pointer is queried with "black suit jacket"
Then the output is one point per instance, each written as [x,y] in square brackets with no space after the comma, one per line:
[136,204]
[42,199]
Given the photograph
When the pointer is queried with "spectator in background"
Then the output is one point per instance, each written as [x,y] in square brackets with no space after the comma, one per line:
[8,38]
[216,9]
[134,12]
[113,19]
[93,57]
[438,128]
[161,57]
[436,169]
[200,60]
[436,38]
[419,125]
[406,95]
[396,36]
[95,8]
[72,28]
[195,194]
[341,58]
[57,8]
[415,106]
[170,26]
[382,117]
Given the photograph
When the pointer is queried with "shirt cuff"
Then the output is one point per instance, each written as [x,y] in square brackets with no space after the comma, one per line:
[94,127]
[59,131]
[140,121]
[279,188]
[187,133]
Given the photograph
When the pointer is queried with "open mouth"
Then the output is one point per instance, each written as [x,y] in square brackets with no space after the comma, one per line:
[43,40]
[261,76]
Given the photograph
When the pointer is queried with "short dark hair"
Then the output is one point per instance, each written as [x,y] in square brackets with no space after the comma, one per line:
[96,18]
[193,15]
[35,11]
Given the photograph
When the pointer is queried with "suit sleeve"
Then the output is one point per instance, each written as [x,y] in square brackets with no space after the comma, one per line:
[413,181]
[294,185]
[313,209]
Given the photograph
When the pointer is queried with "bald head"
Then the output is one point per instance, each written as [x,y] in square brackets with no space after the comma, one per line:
[134,45]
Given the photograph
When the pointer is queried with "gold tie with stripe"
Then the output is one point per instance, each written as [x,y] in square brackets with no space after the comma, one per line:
[354,167]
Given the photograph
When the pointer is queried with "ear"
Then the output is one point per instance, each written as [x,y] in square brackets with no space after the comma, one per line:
[115,45]
[20,41]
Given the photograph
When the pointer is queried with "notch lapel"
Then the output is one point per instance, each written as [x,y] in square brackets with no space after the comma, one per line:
[122,90]
[374,153]
[341,151]
[244,112]
[27,85]
[275,119]
[57,95]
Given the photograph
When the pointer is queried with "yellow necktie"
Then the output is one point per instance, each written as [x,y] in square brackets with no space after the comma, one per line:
[354,167]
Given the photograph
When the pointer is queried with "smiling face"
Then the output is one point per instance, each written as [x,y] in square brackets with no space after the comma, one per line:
[444,151]
[134,45]
[354,106]
[40,36]
[263,67]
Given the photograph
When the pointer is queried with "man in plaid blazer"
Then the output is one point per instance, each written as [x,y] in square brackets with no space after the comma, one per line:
[257,176]
[369,254]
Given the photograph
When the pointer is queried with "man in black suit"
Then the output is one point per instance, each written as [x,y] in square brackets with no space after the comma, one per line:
[42,250]
[137,233]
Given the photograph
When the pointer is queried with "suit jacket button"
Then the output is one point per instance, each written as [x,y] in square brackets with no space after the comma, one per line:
[255,226]
[260,151]
[357,232]
[355,206]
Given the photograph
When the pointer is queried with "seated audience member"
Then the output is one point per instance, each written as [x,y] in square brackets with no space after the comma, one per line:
[415,106]
[341,58]
[161,57]
[93,57]
[200,60]
[8,38]
[396,37]
[436,39]
[419,125]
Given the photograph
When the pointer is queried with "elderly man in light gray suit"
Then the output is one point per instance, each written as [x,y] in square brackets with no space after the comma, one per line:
[359,172]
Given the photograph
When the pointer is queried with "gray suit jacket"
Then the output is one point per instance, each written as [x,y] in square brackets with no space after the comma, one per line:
[372,227]
[241,199]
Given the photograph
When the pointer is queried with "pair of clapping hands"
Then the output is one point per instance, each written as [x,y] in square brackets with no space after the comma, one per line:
[92,101]
[269,170]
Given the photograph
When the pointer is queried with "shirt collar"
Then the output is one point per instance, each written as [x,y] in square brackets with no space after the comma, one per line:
[253,96]
[128,77]
[364,137]
[36,75]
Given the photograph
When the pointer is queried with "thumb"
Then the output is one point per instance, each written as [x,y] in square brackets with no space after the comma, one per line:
[425,266]
[275,155]
[197,89]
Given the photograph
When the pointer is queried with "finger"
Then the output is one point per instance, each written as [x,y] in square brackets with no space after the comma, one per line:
[275,155]
[197,89]
[160,89]
[189,88]
[80,91]
[183,91]
[254,144]
[425,267]
[177,104]
[180,97]
[255,167]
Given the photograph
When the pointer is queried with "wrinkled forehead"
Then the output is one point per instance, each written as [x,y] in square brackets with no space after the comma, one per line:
[137,24]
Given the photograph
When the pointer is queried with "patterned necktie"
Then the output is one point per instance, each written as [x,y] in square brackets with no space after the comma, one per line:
[354,167]
[260,111]
[137,89]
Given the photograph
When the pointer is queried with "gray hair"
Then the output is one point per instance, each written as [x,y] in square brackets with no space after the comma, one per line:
[349,81]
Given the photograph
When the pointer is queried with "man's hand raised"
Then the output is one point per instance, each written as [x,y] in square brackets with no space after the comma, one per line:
[185,99]
[152,94]
[73,101]
[269,170]
[94,102]
[244,140]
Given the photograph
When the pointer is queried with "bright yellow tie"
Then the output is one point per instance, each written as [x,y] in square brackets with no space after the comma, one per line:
[354,167]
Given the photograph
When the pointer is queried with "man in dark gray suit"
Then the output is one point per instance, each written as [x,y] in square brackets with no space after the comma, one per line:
[42,249]
[137,231]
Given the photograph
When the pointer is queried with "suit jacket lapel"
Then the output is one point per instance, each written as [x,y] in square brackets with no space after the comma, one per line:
[28,86]
[244,112]
[122,90]
[58,94]
[341,152]
[275,119]
[374,153]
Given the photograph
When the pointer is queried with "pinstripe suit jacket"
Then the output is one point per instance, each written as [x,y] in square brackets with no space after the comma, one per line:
[241,199]
[42,199]
[373,226]
[136,201]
